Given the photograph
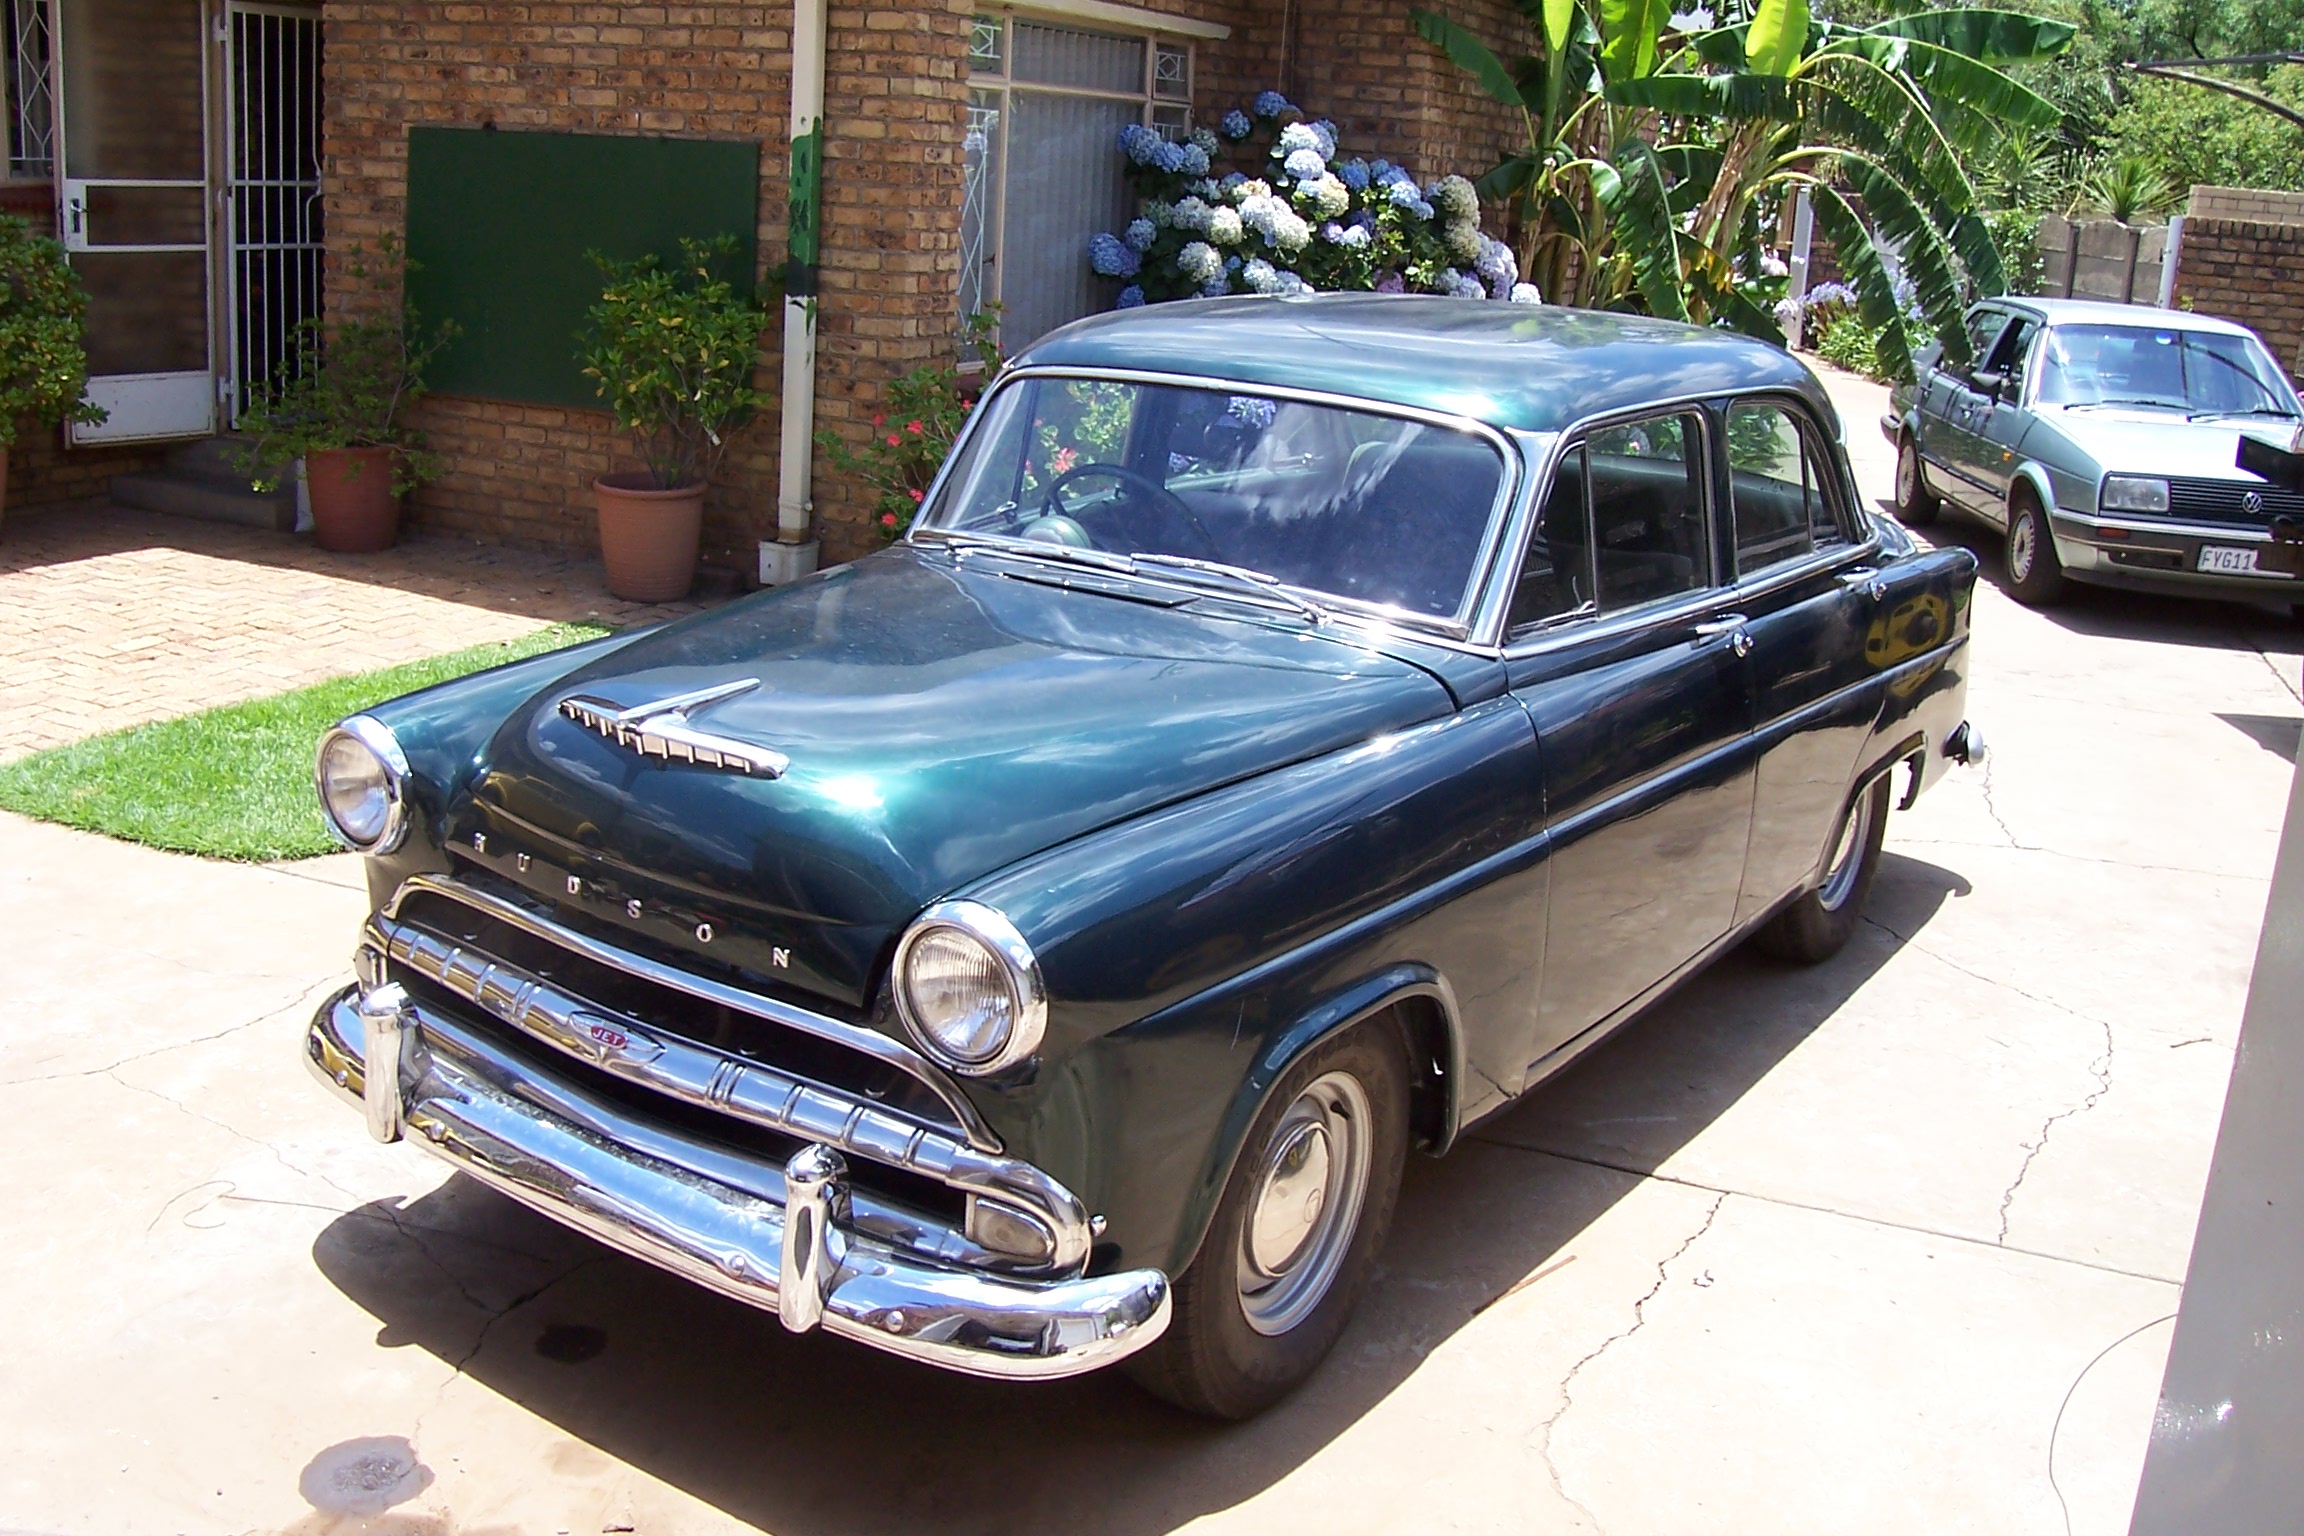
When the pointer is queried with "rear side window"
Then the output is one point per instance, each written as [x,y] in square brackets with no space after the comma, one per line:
[1777,487]
[1650,539]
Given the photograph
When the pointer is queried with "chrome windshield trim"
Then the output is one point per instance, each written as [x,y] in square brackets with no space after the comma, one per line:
[870,1042]
[1457,625]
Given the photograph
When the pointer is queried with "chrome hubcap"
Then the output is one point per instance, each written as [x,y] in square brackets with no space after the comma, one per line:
[1907,474]
[2020,537]
[1304,1204]
[1847,855]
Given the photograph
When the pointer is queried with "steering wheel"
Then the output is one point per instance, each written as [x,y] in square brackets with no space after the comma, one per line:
[1153,490]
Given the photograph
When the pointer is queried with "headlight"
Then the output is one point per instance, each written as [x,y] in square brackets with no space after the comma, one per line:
[362,777]
[2133,493]
[969,989]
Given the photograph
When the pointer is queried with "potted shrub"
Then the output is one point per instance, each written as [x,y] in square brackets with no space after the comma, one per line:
[337,405]
[673,351]
[43,370]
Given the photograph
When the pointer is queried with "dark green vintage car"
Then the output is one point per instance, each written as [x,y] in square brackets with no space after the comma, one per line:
[1294,729]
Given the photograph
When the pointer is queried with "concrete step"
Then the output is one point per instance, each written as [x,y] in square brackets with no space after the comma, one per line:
[208,499]
[214,459]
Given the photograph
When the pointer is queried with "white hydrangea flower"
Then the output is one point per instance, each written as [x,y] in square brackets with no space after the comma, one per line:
[1191,213]
[1261,276]
[1250,188]
[1199,261]
[1526,293]
[1224,227]
[1298,136]
[1330,198]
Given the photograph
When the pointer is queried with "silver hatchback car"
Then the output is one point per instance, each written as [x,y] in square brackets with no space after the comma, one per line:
[2103,440]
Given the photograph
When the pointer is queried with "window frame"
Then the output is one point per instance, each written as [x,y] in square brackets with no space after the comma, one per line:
[991,253]
[1458,630]
[27,94]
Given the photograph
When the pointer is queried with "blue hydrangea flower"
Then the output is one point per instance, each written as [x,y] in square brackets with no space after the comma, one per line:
[1231,183]
[1171,157]
[1462,285]
[1191,213]
[1110,258]
[1217,286]
[1332,232]
[1497,267]
[1193,160]
[1354,238]
[1298,136]
[1270,104]
[1131,297]
[1305,164]
[1140,144]
[1404,195]
[1139,235]
[1256,412]
[1525,293]
[1236,125]
[1290,284]
[1324,137]
[1261,276]
[1199,262]
[1380,170]
[1207,141]
[1354,174]
[1421,209]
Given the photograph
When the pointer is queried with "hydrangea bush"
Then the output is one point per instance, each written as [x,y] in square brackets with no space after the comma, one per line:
[1313,221]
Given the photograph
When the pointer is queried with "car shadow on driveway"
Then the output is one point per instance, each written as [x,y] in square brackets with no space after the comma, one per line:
[809,1435]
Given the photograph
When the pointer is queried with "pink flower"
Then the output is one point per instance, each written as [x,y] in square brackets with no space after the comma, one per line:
[894,441]
[879,421]
[913,427]
[917,495]
[1063,461]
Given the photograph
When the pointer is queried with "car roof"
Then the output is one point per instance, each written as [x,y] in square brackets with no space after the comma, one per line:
[2103,312]
[1537,368]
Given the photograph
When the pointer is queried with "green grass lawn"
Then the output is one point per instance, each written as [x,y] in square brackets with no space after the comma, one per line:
[235,782]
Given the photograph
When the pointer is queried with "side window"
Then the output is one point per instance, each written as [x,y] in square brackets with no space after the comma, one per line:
[2009,355]
[1983,327]
[1779,479]
[1556,578]
[1649,535]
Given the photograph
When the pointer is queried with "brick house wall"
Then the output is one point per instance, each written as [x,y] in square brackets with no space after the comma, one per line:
[2251,272]
[895,101]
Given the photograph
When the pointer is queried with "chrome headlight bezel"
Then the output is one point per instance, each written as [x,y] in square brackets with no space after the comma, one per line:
[999,938]
[376,738]
[2133,493]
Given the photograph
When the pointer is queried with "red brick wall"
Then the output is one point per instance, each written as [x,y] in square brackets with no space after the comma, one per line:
[2253,273]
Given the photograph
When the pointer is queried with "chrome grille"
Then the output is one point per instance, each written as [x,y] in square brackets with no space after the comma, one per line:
[2203,500]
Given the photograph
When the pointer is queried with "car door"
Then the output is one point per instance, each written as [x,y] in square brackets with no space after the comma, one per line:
[1627,654]
[1810,597]
[1954,412]
[2005,415]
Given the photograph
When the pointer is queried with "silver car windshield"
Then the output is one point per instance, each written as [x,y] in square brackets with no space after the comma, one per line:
[2198,372]
[1341,503]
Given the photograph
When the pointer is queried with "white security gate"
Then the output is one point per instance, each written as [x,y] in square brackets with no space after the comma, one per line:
[131,125]
[272,119]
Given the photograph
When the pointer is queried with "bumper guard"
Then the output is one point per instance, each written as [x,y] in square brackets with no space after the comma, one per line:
[456,1096]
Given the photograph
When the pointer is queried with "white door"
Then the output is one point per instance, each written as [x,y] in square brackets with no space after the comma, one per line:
[133,206]
[272,191]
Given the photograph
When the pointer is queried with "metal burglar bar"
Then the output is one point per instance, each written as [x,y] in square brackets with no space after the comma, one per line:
[31,151]
[274,117]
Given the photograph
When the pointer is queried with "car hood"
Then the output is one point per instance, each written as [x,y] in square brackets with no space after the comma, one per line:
[941,721]
[2156,443]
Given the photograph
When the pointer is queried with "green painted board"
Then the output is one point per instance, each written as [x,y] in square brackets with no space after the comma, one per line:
[499,225]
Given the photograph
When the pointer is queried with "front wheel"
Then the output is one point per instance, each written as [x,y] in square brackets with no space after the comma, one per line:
[1815,927]
[1295,1234]
[1915,503]
[2035,575]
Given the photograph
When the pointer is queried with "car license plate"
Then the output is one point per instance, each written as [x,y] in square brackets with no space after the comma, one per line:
[2228,561]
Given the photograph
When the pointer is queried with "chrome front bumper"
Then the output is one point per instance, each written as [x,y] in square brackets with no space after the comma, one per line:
[450,1090]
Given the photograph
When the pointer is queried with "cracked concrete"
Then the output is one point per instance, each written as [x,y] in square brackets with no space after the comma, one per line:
[1882,1245]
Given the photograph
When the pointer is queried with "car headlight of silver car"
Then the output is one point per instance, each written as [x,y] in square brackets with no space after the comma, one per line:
[968,988]
[362,778]
[2134,493]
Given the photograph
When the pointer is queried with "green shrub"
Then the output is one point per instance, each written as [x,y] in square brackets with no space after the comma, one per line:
[1847,342]
[919,416]
[43,369]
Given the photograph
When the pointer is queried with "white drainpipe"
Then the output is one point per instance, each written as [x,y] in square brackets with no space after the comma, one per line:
[792,554]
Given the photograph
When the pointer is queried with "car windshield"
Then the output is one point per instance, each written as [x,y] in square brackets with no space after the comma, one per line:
[2201,372]
[1342,503]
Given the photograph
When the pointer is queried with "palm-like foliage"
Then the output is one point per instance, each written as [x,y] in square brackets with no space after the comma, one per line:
[1653,157]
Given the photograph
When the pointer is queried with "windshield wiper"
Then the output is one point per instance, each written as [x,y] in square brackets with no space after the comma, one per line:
[965,545]
[1238,578]
[2254,410]
[2158,405]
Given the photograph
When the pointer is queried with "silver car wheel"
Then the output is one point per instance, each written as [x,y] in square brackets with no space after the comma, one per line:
[2023,544]
[1907,473]
[1305,1203]
[1847,859]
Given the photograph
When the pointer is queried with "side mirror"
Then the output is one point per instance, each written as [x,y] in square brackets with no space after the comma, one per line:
[1988,382]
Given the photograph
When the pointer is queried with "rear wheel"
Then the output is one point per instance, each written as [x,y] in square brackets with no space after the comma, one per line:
[2035,575]
[1915,503]
[1295,1234]
[1814,927]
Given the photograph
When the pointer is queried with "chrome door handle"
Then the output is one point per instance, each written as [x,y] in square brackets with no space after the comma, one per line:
[1731,625]
[1865,579]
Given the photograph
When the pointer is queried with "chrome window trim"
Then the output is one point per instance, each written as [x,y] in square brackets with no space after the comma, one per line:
[991,928]
[885,1048]
[1456,626]
[1843,499]
[377,737]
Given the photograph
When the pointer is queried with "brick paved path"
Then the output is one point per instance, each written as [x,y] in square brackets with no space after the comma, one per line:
[111,617]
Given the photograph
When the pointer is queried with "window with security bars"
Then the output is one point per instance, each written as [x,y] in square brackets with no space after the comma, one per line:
[24,89]
[1042,168]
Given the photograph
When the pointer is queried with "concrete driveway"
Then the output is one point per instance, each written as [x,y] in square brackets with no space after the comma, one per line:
[1891,1244]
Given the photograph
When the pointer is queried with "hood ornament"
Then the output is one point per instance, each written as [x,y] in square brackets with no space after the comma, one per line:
[661,729]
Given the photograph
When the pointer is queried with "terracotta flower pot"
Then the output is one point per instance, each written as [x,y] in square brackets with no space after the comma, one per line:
[648,537]
[353,509]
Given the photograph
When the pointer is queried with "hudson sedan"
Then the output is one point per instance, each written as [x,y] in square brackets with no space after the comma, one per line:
[2103,440]
[1293,730]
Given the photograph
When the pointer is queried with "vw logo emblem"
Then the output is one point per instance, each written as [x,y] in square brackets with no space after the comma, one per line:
[2252,503]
